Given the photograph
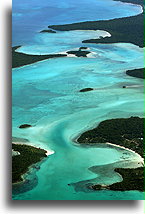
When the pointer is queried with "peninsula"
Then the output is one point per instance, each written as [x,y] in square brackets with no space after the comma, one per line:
[139,73]
[126,132]
[21,59]
[125,30]
[23,157]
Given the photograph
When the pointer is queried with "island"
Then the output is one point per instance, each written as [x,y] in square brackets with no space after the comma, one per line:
[24,126]
[86,89]
[139,73]
[125,132]
[21,59]
[47,31]
[79,53]
[23,157]
[126,30]
[83,48]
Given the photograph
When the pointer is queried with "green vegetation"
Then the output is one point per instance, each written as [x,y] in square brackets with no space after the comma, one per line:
[23,126]
[83,48]
[47,31]
[86,89]
[139,73]
[79,53]
[20,59]
[28,155]
[127,30]
[127,132]
[133,179]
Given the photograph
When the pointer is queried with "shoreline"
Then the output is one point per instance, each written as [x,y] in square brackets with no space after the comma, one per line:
[127,149]
[137,73]
[48,152]
[21,59]
[129,139]
[100,133]
[26,157]
[131,33]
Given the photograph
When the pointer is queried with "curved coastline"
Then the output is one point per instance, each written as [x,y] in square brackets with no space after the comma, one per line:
[131,33]
[24,159]
[21,59]
[110,187]
[94,136]
[25,155]
[138,73]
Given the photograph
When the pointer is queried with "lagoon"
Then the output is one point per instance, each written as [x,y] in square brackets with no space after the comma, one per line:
[46,95]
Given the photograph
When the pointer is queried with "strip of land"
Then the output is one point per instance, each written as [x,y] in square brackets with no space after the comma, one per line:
[125,30]
[26,157]
[47,31]
[139,73]
[21,59]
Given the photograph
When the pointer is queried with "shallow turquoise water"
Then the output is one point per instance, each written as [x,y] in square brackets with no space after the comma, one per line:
[48,43]
[46,95]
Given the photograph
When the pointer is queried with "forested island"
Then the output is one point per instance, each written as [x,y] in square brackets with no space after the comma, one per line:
[47,31]
[86,89]
[79,53]
[20,163]
[24,126]
[20,59]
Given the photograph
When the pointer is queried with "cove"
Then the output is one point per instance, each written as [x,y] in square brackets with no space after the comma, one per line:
[30,17]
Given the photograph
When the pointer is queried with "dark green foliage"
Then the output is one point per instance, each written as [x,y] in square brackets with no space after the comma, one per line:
[79,53]
[82,48]
[20,59]
[28,155]
[133,179]
[124,132]
[128,30]
[47,31]
[23,126]
[139,73]
[86,89]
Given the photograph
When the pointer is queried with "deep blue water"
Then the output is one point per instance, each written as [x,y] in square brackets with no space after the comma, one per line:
[32,16]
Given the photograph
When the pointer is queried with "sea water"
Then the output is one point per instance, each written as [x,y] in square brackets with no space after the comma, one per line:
[29,17]
[46,95]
